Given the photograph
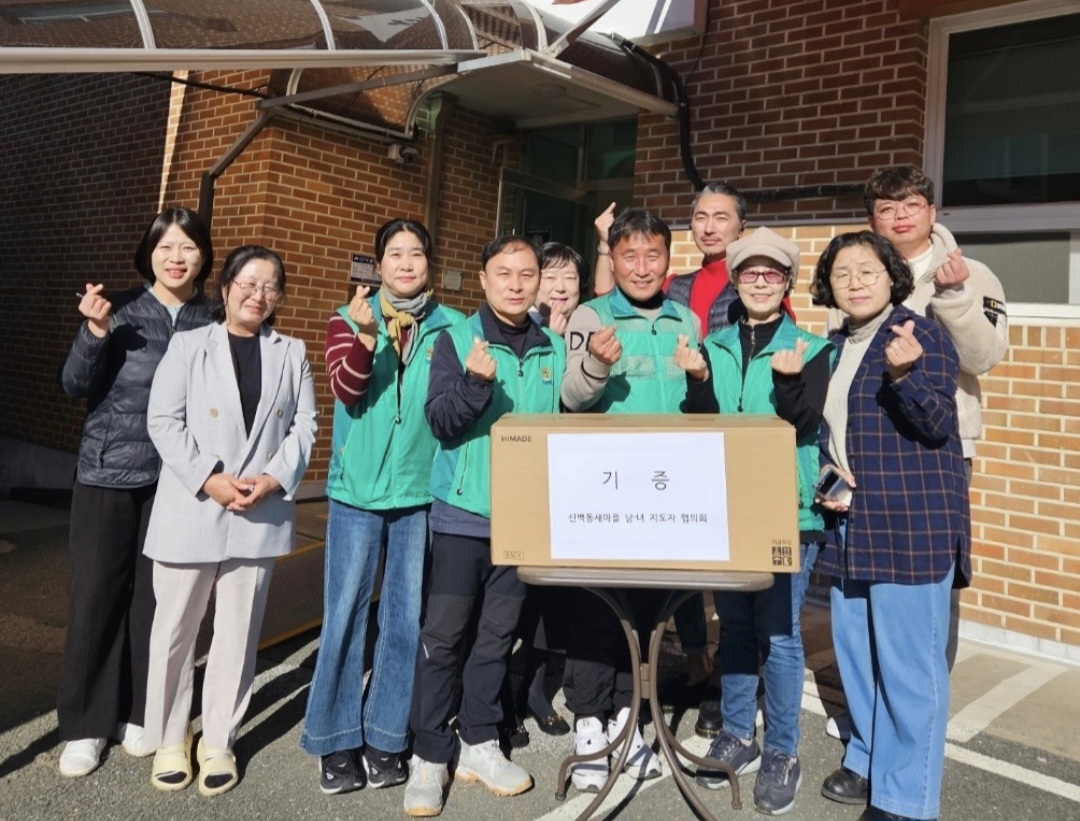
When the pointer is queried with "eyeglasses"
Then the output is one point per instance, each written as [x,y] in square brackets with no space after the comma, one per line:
[751,275]
[270,291]
[841,277]
[889,211]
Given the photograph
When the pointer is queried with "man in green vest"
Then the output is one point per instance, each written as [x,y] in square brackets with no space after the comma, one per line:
[620,359]
[495,362]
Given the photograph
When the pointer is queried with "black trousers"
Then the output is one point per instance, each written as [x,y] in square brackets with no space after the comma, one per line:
[110,612]
[462,578]
[597,680]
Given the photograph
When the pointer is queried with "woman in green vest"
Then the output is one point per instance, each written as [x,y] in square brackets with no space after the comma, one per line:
[378,353]
[764,364]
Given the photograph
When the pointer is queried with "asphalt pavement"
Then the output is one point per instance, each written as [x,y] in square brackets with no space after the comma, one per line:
[1013,748]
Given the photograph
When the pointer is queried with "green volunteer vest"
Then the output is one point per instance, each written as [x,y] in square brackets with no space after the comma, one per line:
[647,365]
[755,391]
[462,473]
[382,446]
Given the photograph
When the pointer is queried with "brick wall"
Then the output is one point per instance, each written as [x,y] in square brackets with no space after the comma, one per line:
[82,172]
[787,93]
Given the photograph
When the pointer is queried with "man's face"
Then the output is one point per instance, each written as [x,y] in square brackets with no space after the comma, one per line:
[715,224]
[640,264]
[905,223]
[511,280]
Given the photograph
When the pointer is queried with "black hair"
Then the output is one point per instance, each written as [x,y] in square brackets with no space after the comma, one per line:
[234,264]
[556,253]
[903,282]
[727,190]
[638,222]
[187,221]
[500,244]
[390,229]
[897,184]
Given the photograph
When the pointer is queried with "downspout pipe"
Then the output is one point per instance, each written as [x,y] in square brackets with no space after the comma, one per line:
[680,96]
[209,177]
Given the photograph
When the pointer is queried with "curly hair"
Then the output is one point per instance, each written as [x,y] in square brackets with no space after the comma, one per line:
[903,283]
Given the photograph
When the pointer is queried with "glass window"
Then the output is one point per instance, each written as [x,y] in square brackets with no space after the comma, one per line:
[1003,144]
[611,150]
[1012,114]
[554,154]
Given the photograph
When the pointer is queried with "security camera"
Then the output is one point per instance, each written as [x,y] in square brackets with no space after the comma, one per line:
[403,154]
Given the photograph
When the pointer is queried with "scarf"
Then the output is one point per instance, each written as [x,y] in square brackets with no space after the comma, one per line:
[400,315]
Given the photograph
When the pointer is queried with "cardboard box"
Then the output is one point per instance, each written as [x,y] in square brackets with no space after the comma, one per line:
[689,492]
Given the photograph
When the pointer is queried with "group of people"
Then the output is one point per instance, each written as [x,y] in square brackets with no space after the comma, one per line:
[200,423]
[417,387]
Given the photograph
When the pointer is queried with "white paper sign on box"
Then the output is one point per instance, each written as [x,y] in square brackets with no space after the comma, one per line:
[638,496]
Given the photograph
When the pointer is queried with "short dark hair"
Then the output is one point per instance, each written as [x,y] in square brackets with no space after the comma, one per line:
[234,263]
[903,282]
[556,253]
[638,222]
[897,184]
[727,190]
[500,244]
[391,229]
[187,221]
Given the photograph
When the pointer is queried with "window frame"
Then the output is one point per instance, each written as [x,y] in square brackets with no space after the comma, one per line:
[1063,216]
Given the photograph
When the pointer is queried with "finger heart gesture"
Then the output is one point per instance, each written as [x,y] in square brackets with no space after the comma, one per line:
[903,350]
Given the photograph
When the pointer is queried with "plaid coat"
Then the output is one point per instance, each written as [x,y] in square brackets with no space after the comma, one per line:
[909,518]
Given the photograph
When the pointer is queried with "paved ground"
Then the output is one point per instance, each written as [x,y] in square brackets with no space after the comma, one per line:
[1013,751]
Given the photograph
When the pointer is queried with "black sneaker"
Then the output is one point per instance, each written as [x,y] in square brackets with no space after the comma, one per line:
[340,772]
[384,769]
[729,749]
[777,782]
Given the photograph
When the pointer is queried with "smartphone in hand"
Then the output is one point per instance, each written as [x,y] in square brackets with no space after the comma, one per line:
[832,487]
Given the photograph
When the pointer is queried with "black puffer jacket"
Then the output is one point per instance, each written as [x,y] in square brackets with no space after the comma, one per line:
[114,375]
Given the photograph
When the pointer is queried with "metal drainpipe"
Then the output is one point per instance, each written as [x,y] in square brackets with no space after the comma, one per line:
[209,178]
[445,104]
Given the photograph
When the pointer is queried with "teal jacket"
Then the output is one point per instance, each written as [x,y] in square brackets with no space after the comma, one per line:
[382,446]
[753,392]
[462,472]
[647,364]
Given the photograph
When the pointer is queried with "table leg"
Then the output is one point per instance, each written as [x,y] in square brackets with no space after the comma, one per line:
[670,745]
[620,604]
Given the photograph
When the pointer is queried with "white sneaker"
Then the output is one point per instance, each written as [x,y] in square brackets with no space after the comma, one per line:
[133,739]
[839,726]
[589,739]
[642,762]
[81,757]
[486,763]
[426,787]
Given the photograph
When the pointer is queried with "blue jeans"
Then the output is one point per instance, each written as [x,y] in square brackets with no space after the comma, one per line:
[339,714]
[890,647]
[765,623]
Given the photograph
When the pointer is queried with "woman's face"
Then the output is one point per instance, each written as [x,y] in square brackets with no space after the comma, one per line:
[404,266]
[176,260]
[860,285]
[251,297]
[761,298]
[560,289]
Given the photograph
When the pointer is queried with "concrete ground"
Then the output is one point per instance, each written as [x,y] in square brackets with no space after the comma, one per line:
[1013,745]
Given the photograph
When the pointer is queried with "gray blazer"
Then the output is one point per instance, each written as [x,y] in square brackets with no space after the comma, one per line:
[196,422]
